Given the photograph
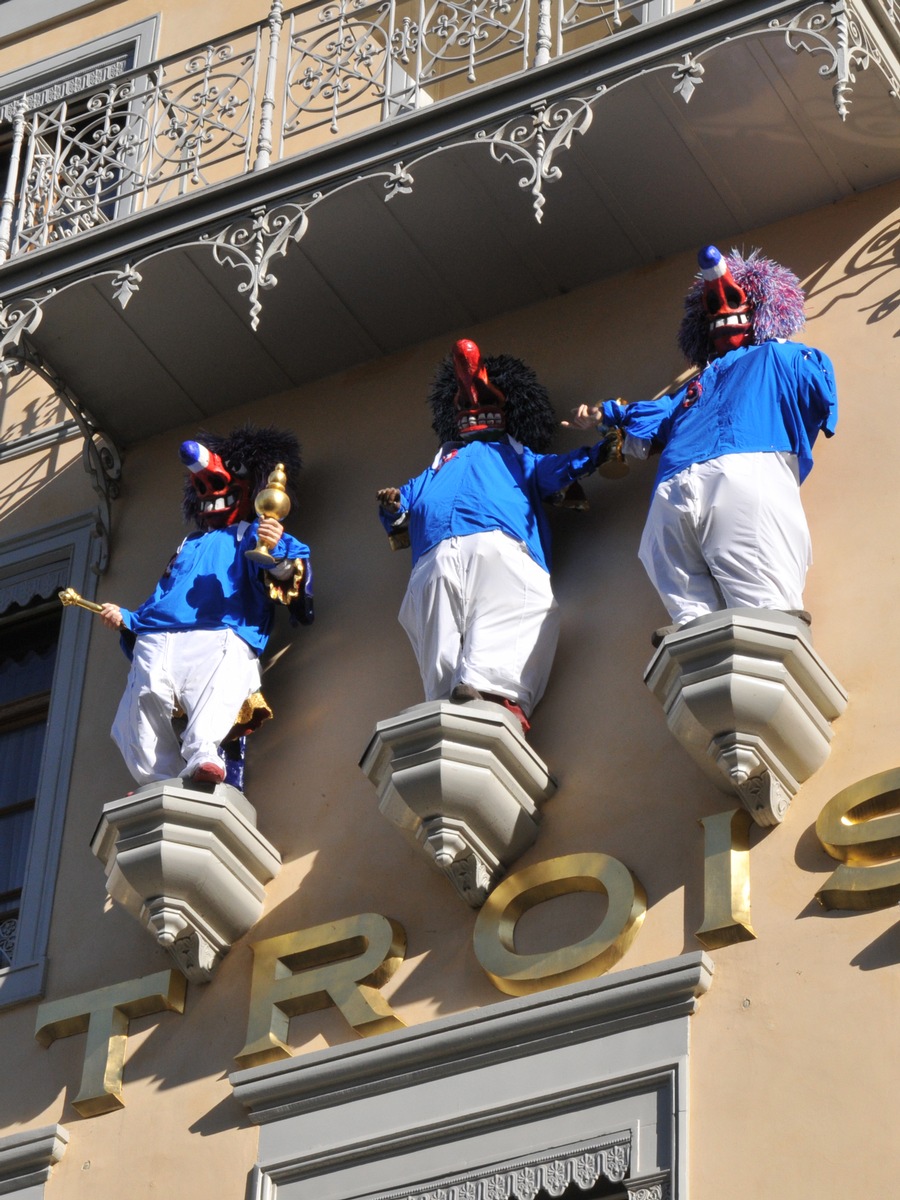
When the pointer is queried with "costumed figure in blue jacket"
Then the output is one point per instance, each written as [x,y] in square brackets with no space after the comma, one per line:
[195,643]
[479,610]
[726,527]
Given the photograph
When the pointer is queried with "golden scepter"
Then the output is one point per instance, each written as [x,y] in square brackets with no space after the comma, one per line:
[70,596]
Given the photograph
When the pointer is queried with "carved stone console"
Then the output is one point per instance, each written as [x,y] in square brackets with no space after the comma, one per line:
[461,782]
[27,1159]
[190,865]
[751,702]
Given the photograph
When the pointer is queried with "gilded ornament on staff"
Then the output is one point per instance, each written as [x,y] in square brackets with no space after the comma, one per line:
[69,596]
[272,501]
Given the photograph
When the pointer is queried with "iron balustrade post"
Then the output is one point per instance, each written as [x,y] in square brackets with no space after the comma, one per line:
[8,205]
[544,34]
[267,107]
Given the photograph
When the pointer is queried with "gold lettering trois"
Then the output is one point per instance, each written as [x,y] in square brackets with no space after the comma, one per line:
[345,963]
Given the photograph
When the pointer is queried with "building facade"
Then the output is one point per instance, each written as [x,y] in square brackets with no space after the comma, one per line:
[213,215]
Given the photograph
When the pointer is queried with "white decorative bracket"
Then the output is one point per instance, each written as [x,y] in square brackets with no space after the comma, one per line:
[460,782]
[190,865]
[751,702]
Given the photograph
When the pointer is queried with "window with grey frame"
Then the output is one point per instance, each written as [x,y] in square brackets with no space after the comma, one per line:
[61,149]
[590,1171]
[42,658]
[580,1091]
[28,643]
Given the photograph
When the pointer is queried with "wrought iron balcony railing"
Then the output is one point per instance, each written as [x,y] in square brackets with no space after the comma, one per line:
[270,91]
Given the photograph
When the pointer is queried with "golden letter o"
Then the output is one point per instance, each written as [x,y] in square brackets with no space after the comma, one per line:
[520,974]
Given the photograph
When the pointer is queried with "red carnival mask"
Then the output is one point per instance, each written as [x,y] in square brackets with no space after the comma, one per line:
[727,305]
[479,405]
[223,491]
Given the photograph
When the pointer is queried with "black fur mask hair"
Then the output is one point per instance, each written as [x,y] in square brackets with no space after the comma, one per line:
[257,450]
[530,418]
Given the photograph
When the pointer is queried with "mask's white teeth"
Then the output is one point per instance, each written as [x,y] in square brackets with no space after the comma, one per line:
[473,421]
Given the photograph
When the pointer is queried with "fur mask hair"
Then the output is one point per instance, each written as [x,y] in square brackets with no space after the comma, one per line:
[258,450]
[530,417]
[774,292]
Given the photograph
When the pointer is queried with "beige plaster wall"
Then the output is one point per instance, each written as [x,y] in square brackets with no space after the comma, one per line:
[36,487]
[793,1046]
[187,23]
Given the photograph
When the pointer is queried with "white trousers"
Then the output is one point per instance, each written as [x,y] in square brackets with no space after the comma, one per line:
[208,674]
[728,533]
[479,610]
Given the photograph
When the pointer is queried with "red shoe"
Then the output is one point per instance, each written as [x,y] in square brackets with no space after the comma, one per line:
[511,707]
[209,772]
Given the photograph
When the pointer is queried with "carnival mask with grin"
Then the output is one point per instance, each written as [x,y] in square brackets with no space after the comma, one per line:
[480,407]
[222,490]
[726,303]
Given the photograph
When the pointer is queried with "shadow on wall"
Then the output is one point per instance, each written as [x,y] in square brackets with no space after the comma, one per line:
[28,409]
[865,273]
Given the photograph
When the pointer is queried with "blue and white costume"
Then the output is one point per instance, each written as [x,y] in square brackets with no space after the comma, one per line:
[479,608]
[726,527]
[194,645]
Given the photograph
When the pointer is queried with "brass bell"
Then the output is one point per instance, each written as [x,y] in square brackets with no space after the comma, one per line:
[614,467]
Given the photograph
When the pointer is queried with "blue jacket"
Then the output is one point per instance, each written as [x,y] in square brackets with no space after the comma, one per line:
[477,487]
[771,397]
[209,584]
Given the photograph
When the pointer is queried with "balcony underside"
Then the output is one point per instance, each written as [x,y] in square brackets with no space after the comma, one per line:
[429,224]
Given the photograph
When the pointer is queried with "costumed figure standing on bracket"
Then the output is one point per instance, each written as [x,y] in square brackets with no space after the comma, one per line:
[195,643]
[479,609]
[726,528]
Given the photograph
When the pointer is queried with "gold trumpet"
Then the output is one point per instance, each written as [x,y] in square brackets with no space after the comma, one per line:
[69,596]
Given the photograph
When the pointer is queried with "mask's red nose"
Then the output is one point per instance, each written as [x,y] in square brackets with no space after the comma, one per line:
[223,498]
[479,405]
[727,306]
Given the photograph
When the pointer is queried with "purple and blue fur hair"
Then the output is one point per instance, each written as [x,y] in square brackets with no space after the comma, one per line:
[773,291]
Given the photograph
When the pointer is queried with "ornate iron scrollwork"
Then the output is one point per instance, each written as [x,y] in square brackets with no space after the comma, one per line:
[536,141]
[837,31]
[8,929]
[251,244]
[17,319]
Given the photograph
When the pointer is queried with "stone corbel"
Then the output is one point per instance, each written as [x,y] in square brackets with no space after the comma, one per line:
[462,784]
[751,702]
[190,865]
[27,1159]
